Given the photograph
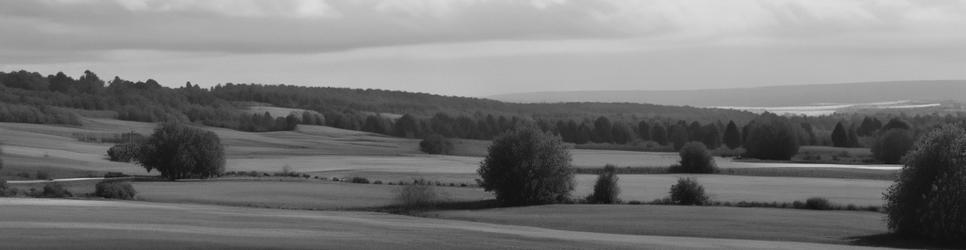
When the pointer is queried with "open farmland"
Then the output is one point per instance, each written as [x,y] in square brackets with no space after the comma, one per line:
[748,188]
[314,195]
[837,227]
[32,223]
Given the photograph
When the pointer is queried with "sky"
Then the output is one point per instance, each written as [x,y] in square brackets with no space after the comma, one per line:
[487,47]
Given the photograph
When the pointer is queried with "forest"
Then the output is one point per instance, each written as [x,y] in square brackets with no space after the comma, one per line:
[30,97]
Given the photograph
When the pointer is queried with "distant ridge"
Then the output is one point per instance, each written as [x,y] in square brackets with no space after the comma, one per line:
[773,96]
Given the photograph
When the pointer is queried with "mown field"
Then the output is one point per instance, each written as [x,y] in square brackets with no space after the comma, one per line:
[82,224]
[330,152]
[838,227]
[314,195]
[230,217]
[748,188]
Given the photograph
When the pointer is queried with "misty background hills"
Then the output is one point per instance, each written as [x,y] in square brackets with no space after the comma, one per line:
[772,96]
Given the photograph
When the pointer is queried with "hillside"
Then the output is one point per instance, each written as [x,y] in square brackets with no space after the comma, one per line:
[773,96]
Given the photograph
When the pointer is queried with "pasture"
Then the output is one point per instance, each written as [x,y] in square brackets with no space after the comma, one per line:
[837,227]
[45,223]
[748,188]
[313,195]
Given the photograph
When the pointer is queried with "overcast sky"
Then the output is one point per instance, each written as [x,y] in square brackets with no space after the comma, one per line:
[485,47]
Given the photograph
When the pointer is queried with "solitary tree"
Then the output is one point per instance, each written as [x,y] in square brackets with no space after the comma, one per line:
[927,199]
[526,166]
[688,192]
[695,158]
[771,137]
[606,189]
[732,137]
[436,144]
[178,151]
[840,137]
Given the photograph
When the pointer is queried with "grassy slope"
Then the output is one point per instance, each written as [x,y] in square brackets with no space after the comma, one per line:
[42,223]
[712,222]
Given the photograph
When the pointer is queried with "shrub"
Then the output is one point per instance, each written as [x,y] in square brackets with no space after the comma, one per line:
[927,199]
[695,158]
[3,186]
[125,152]
[436,144]
[421,195]
[377,182]
[606,189]
[817,203]
[771,137]
[115,190]
[179,151]
[526,166]
[688,192]
[360,180]
[42,175]
[890,146]
[55,190]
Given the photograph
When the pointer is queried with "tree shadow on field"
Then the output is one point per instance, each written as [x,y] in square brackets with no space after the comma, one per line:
[899,241]
[443,206]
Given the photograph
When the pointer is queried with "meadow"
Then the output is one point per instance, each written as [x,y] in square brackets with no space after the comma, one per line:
[87,224]
[230,210]
[836,227]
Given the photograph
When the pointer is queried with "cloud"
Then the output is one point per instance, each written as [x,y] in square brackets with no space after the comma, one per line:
[321,26]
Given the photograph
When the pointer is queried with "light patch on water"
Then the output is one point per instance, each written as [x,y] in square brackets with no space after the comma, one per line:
[821,109]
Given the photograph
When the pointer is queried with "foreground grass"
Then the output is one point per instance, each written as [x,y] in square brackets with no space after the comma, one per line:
[312,195]
[82,224]
[836,227]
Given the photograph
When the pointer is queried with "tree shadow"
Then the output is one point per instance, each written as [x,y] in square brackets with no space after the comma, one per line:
[892,240]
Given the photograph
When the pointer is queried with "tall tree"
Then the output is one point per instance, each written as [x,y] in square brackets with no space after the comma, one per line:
[644,130]
[732,137]
[659,134]
[771,137]
[621,133]
[602,130]
[840,136]
[678,136]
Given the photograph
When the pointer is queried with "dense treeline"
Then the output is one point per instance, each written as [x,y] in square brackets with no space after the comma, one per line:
[33,98]
[30,97]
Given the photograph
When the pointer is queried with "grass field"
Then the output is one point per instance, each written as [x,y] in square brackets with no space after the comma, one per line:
[748,188]
[315,195]
[838,227]
[80,224]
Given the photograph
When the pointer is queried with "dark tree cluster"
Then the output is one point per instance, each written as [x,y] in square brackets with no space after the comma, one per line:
[436,144]
[526,166]
[927,199]
[771,137]
[178,151]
